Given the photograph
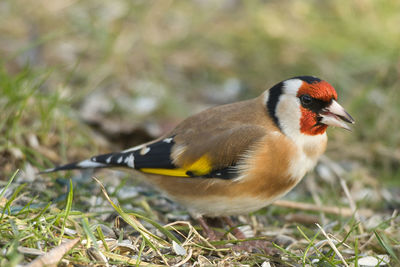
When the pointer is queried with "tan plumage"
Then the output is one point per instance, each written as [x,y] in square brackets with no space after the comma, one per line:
[237,158]
[262,153]
[222,133]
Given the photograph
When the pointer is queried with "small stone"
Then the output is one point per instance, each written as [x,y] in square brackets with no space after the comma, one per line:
[284,240]
[178,249]
[379,260]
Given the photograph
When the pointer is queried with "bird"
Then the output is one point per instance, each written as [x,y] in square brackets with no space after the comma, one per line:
[236,158]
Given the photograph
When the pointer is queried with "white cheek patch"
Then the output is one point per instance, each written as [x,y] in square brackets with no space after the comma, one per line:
[289,114]
[288,109]
[291,87]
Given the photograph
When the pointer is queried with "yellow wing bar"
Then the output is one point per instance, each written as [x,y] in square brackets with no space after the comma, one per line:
[200,167]
[167,172]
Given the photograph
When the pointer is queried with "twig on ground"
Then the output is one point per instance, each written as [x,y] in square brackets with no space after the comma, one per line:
[338,172]
[313,190]
[326,209]
[332,245]
[55,255]
[352,204]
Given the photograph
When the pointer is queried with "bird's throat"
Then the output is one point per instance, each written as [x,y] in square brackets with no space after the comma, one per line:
[309,124]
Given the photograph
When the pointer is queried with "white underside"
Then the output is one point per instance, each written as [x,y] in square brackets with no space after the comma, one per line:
[301,163]
[289,114]
[224,206]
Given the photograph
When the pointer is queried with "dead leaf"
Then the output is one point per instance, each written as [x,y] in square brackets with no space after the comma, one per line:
[55,255]
[178,249]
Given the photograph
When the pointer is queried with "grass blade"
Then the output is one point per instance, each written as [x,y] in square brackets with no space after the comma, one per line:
[8,184]
[386,246]
[67,209]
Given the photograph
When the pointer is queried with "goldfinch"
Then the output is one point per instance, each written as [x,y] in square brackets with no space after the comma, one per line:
[237,158]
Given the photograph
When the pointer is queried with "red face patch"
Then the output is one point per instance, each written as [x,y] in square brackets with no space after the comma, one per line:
[319,90]
[308,123]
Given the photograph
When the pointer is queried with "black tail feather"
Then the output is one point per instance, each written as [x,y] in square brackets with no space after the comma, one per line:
[155,155]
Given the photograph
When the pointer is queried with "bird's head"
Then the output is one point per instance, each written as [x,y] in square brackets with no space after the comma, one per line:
[305,105]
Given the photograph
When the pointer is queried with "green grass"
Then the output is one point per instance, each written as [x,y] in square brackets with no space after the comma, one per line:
[55,58]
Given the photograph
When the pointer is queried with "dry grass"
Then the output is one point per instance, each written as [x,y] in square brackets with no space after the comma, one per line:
[82,77]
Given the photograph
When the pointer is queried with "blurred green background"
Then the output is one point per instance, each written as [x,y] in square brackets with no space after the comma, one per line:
[84,77]
[149,64]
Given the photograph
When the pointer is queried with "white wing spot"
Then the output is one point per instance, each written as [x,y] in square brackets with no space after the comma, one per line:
[168,140]
[120,159]
[108,160]
[130,161]
[89,164]
[144,151]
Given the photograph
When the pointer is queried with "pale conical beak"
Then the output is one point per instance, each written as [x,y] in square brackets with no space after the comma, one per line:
[335,115]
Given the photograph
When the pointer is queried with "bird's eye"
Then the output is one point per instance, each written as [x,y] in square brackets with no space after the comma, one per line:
[306,100]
